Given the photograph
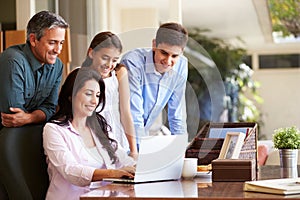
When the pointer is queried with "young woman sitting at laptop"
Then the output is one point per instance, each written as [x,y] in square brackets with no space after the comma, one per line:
[76,140]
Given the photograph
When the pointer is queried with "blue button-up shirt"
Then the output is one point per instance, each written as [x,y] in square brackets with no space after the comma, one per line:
[27,84]
[151,91]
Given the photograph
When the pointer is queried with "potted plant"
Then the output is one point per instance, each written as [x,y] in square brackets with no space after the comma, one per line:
[287,141]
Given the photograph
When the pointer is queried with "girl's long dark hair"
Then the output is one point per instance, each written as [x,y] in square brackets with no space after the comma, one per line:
[73,83]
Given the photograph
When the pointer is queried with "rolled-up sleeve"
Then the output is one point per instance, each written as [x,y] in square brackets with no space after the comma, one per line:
[11,85]
[135,76]
[60,157]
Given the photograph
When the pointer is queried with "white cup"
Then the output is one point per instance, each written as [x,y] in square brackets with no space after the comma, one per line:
[189,169]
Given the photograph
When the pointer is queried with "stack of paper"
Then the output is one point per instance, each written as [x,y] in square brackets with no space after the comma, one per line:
[284,186]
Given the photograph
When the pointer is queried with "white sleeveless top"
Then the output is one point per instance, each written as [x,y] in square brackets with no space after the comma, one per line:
[111,111]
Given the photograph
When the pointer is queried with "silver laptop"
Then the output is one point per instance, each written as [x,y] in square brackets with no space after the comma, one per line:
[160,159]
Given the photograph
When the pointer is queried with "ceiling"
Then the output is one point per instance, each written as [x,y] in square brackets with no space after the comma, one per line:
[248,20]
[227,19]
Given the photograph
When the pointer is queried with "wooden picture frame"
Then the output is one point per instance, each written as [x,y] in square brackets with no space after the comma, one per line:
[232,145]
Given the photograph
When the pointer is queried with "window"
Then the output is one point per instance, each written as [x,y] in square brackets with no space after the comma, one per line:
[279,61]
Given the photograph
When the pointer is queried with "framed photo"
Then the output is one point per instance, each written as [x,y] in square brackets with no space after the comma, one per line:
[232,145]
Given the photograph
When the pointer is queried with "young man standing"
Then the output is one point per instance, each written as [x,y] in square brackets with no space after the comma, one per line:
[158,78]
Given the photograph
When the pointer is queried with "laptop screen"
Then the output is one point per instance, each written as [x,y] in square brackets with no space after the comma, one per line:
[160,158]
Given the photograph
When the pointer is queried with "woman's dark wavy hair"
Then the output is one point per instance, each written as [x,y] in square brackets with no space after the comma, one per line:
[73,83]
[105,39]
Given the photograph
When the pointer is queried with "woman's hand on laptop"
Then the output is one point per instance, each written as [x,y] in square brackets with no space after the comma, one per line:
[128,172]
[120,173]
[124,172]
[129,169]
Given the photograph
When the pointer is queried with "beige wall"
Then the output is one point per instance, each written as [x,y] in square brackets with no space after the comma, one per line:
[138,27]
[281,93]
[136,18]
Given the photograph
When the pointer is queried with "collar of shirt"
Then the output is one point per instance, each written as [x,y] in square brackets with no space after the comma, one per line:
[71,128]
[34,63]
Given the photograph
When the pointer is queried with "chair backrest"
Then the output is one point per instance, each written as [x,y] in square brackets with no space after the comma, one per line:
[13,37]
[23,168]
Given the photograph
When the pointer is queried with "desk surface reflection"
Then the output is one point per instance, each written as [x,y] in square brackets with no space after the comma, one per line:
[197,188]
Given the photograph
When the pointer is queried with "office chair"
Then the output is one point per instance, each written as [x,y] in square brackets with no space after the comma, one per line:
[23,168]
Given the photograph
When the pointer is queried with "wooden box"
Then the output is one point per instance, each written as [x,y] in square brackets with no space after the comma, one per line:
[208,149]
[233,170]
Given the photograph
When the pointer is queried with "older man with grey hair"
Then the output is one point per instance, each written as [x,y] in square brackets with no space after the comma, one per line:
[31,73]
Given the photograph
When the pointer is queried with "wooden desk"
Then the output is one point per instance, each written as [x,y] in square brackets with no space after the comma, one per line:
[198,188]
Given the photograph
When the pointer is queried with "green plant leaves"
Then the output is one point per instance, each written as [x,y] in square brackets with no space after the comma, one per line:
[287,138]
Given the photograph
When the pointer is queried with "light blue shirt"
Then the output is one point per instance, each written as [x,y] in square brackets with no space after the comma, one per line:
[151,91]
